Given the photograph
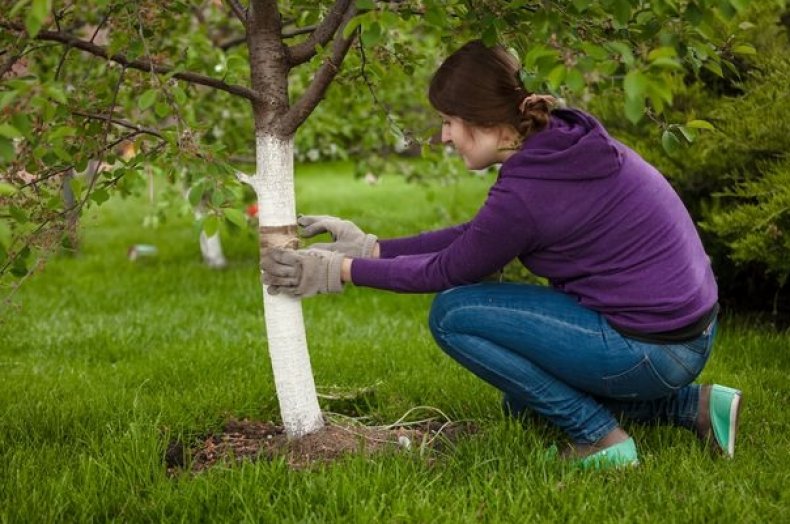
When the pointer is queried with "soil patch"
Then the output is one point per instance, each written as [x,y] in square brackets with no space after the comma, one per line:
[253,440]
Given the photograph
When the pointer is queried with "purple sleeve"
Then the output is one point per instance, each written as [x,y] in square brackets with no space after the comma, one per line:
[429,242]
[501,231]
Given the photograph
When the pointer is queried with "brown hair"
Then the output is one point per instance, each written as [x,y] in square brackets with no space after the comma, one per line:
[482,86]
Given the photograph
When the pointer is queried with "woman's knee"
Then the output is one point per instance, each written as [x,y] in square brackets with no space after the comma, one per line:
[442,308]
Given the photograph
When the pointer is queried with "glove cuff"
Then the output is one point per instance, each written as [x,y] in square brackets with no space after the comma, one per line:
[334,280]
[368,245]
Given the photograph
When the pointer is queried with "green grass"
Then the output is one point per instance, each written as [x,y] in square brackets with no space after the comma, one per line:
[104,361]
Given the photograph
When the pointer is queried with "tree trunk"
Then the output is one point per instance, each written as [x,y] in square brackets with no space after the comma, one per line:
[210,246]
[293,377]
[276,121]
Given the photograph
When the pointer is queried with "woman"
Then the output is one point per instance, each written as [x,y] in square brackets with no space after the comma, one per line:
[629,319]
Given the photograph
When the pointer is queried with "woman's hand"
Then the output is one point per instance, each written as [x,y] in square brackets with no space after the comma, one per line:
[348,238]
[302,273]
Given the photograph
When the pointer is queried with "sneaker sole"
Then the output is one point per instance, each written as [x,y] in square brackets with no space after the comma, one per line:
[735,411]
[732,427]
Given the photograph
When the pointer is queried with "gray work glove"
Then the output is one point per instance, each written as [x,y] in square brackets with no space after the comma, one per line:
[301,273]
[348,238]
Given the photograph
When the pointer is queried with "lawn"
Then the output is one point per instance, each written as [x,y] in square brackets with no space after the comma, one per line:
[103,362]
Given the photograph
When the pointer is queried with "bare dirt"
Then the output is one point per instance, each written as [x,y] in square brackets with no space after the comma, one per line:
[253,440]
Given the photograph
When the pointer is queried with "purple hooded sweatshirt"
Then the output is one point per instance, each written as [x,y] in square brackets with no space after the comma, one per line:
[581,209]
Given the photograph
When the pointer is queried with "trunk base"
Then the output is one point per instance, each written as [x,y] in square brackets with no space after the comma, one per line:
[243,440]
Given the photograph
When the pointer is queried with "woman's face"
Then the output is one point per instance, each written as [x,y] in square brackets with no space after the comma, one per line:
[480,147]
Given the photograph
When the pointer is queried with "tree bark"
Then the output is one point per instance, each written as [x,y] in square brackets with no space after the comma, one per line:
[273,183]
[275,124]
[293,376]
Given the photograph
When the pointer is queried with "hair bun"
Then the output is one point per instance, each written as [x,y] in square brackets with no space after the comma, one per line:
[542,103]
[534,113]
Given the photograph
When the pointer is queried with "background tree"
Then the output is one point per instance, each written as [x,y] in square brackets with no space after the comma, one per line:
[190,84]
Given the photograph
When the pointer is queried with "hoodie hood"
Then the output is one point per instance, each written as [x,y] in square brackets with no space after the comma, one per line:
[574,146]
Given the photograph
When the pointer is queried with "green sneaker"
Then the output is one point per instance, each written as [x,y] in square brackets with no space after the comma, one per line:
[725,406]
[620,455]
[617,456]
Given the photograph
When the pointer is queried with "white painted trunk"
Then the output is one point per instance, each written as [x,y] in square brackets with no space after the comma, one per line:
[293,376]
[210,246]
[211,249]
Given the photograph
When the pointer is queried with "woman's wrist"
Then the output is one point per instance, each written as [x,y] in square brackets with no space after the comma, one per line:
[345,269]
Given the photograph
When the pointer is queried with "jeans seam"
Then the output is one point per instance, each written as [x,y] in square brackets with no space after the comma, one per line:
[680,363]
[538,316]
[589,436]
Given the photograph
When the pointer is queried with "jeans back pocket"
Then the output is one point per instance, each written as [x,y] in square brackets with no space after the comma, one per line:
[641,381]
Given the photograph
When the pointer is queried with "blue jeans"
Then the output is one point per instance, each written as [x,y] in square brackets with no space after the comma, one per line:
[548,353]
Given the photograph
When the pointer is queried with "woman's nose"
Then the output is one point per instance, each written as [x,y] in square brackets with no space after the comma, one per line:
[446,135]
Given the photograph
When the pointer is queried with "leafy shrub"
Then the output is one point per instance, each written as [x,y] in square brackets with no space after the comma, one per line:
[757,227]
[735,179]
[744,170]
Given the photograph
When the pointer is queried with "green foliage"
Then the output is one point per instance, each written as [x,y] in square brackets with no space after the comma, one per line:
[54,104]
[55,99]
[640,50]
[748,212]
[733,177]
[643,61]
[756,224]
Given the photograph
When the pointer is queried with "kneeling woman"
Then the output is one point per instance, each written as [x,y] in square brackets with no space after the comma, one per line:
[630,318]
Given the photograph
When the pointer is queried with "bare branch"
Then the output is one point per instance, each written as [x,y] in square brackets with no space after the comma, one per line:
[299,112]
[408,136]
[120,122]
[6,67]
[233,42]
[287,33]
[244,178]
[296,31]
[108,120]
[238,10]
[62,61]
[151,153]
[52,173]
[301,53]
[142,65]
[103,21]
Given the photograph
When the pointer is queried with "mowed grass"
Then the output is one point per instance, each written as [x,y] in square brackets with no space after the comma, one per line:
[103,362]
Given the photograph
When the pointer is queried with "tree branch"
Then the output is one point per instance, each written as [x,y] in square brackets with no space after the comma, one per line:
[151,153]
[6,67]
[52,173]
[238,10]
[296,31]
[120,122]
[288,33]
[301,53]
[108,121]
[62,61]
[142,65]
[407,136]
[299,112]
